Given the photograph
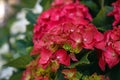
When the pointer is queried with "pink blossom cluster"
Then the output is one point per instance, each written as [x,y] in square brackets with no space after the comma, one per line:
[66,24]
[69,23]
[58,3]
[111,50]
[39,70]
[116,12]
[55,25]
[34,72]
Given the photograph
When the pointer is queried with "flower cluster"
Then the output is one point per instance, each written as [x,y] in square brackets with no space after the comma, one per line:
[55,25]
[116,12]
[65,29]
[68,24]
[34,72]
[59,3]
[111,50]
[72,74]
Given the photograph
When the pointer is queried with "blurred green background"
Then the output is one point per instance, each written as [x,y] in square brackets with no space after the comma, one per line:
[13,31]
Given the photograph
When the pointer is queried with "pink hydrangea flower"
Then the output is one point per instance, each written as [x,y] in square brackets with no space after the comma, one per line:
[91,37]
[102,63]
[34,72]
[62,57]
[45,57]
[111,52]
[26,75]
[42,78]
[116,12]
[61,2]
[58,25]
[69,73]
[68,23]
[111,57]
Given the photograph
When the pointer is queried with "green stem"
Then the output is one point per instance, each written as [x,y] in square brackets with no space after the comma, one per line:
[102,3]
[101,29]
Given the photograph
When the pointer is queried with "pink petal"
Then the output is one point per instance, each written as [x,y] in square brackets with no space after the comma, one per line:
[111,57]
[73,57]
[45,56]
[98,36]
[63,57]
[117,46]
[102,62]
[100,45]
[88,37]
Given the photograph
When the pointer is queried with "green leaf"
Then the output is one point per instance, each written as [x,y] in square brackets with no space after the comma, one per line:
[31,17]
[114,73]
[7,56]
[59,76]
[92,5]
[24,4]
[104,28]
[29,32]
[83,60]
[16,76]
[46,4]
[78,75]
[102,19]
[20,62]
[28,3]
[30,28]
[20,47]
[67,47]
[21,44]
[4,35]
[106,2]
[29,35]
[94,77]
[29,49]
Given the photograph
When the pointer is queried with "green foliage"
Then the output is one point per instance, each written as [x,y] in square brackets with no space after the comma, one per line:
[101,18]
[78,75]
[24,4]
[3,36]
[29,49]
[91,5]
[59,76]
[83,61]
[4,32]
[21,46]
[29,36]
[107,2]
[28,3]
[93,77]
[31,17]
[46,4]
[114,73]
[20,62]
[7,56]
[16,76]
[72,50]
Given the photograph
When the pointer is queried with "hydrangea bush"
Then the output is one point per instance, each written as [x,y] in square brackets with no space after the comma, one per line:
[74,40]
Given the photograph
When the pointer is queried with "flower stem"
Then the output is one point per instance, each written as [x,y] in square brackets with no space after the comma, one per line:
[102,3]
